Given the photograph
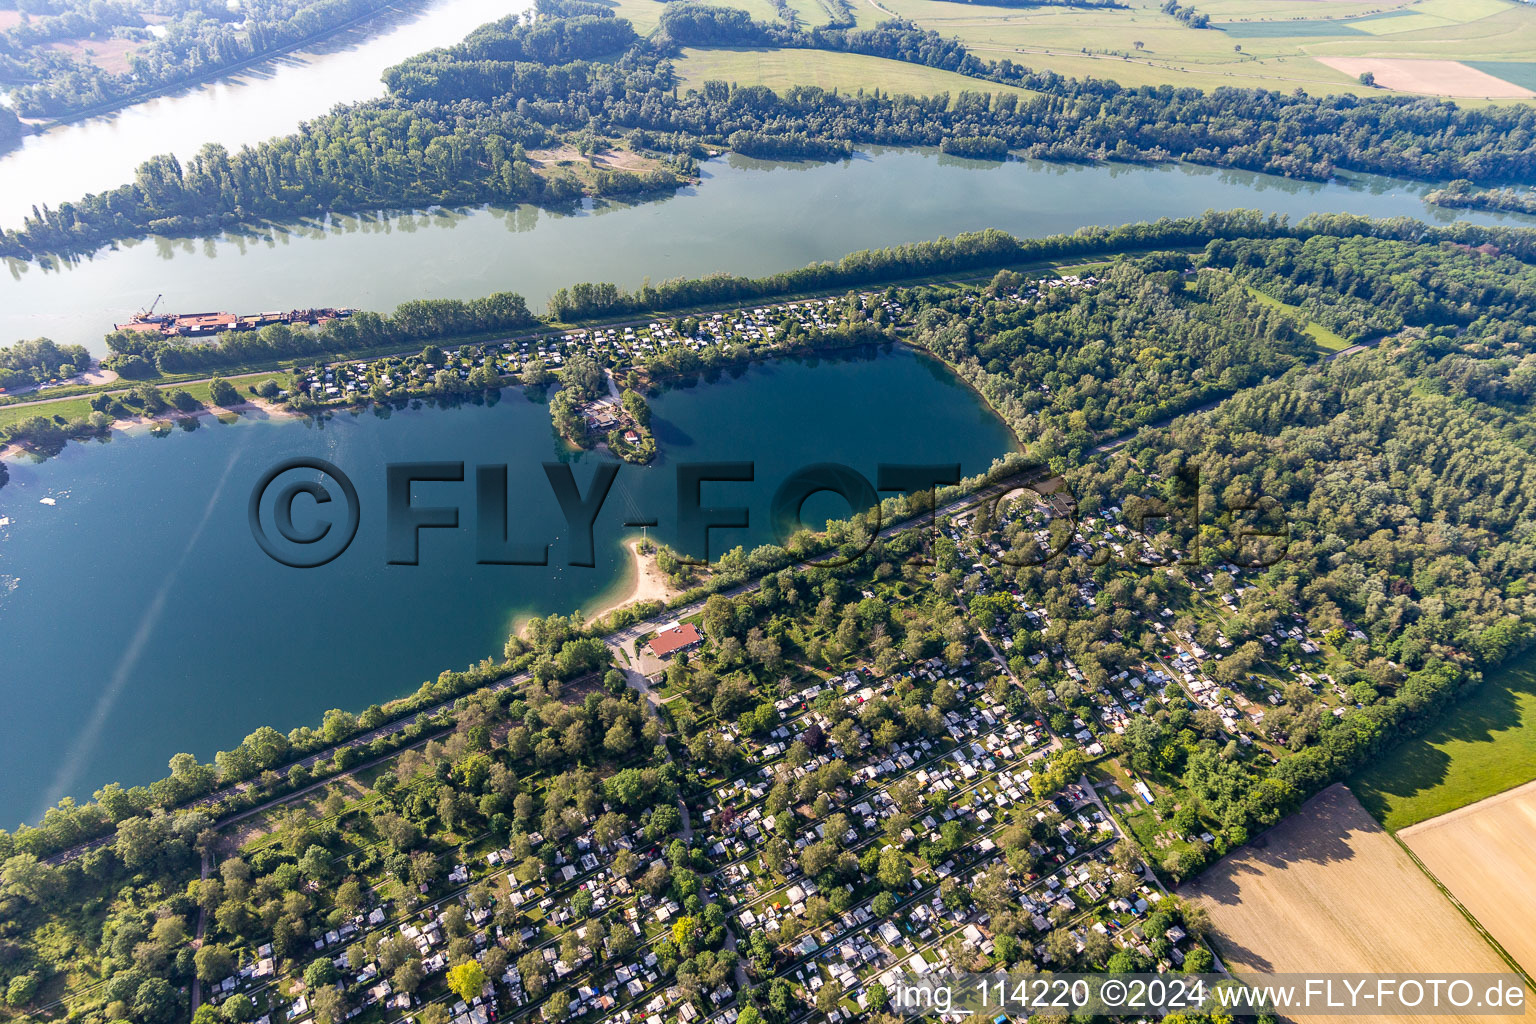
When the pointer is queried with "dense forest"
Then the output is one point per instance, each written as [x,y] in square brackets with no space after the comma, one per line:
[1409,521]
[1073,366]
[1402,473]
[458,123]
[1364,287]
[172,42]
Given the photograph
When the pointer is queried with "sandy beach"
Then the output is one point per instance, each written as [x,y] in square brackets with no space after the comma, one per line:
[646,583]
[168,418]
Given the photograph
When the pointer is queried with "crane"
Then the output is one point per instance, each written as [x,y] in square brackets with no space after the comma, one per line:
[151,310]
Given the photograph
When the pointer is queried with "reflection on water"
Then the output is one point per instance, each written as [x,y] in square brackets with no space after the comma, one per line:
[270,645]
[256,103]
[793,213]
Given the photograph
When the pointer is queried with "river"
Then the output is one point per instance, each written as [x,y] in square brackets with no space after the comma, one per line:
[140,617]
[268,98]
[745,217]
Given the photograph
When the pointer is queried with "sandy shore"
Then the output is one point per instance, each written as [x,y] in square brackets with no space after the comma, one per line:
[258,406]
[646,583]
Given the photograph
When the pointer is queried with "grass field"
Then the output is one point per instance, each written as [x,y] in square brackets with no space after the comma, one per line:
[80,408]
[1271,44]
[69,408]
[1485,745]
[1522,73]
[848,72]
[1259,43]
[1482,854]
[1329,890]
[1321,336]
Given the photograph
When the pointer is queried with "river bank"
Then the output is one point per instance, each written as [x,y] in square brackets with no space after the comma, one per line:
[164,421]
[796,213]
[242,107]
[643,581]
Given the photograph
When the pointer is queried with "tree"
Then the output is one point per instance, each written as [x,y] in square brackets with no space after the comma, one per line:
[21,989]
[622,942]
[25,876]
[534,972]
[557,1006]
[827,998]
[329,1004]
[536,373]
[238,1009]
[895,871]
[214,962]
[320,973]
[467,979]
[582,376]
[619,738]
[138,842]
[316,863]
[222,392]
[155,1002]
[408,976]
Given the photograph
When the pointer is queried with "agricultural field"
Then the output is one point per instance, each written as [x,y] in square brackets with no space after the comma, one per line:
[1317,892]
[1522,73]
[1486,745]
[1482,854]
[1435,77]
[848,72]
[1476,50]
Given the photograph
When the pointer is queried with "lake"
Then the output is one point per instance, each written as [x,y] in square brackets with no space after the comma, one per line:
[746,217]
[268,98]
[141,619]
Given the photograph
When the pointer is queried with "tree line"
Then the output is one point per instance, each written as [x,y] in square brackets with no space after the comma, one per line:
[197,38]
[139,355]
[457,123]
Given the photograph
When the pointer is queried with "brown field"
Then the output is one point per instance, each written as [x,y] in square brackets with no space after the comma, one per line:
[107,54]
[1435,77]
[1329,890]
[609,160]
[1482,854]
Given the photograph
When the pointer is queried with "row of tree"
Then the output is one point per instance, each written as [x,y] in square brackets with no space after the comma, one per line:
[138,355]
[456,124]
[194,39]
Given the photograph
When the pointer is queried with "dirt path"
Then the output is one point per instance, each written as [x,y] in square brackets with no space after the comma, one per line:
[202,926]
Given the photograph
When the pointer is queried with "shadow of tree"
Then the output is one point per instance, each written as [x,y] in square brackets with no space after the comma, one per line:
[1418,765]
[1326,830]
